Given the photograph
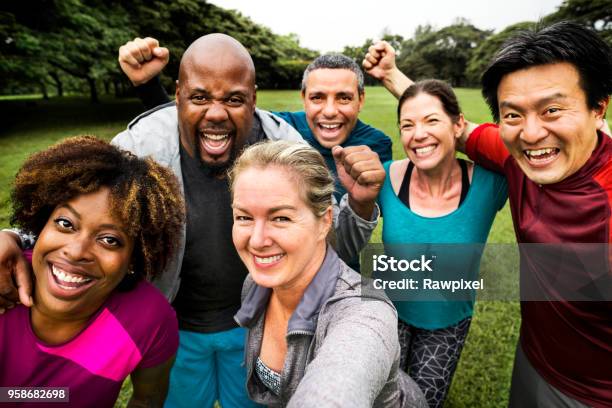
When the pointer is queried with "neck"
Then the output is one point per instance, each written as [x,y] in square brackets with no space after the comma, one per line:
[288,297]
[53,329]
[435,182]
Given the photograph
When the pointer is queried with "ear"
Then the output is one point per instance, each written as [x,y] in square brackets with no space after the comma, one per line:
[255,96]
[459,126]
[177,92]
[326,221]
[600,113]
[361,100]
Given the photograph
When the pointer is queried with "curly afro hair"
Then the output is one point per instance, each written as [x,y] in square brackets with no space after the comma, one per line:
[144,195]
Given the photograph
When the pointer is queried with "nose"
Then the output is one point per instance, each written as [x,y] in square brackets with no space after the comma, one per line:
[533,130]
[259,236]
[330,110]
[78,250]
[420,132]
[216,112]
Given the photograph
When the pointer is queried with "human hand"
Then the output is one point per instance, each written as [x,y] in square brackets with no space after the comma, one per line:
[15,273]
[362,175]
[379,62]
[142,59]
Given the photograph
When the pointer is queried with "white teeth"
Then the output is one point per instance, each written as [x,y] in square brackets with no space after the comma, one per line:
[65,277]
[215,137]
[336,126]
[269,259]
[539,152]
[424,150]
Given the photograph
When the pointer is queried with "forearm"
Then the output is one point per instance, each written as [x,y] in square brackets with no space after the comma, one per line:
[396,82]
[353,231]
[152,93]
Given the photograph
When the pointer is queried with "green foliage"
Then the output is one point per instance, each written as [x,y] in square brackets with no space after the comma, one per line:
[596,14]
[77,40]
[484,53]
[441,54]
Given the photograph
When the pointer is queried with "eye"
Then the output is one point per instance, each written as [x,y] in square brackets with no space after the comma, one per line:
[199,99]
[111,241]
[433,120]
[242,218]
[280,218]
[235,101]
[511,116]
[406,126]
[315,98]
[345,99]
[63,224]
[552,110]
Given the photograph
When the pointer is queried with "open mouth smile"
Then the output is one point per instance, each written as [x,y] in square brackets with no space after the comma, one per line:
[68,284]
[541,157]
[267,261]
[425,150]
[215,144]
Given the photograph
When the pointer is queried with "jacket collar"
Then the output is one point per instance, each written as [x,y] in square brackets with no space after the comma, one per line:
[320,289]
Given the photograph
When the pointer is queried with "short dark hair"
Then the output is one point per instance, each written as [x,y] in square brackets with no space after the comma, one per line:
[334,61]
[435,88]
[144,195]
[561,42]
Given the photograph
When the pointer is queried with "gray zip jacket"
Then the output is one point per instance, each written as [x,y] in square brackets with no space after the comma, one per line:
[155,133]
[342,345]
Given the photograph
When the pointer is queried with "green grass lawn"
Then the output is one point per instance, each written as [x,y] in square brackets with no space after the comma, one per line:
[483,376]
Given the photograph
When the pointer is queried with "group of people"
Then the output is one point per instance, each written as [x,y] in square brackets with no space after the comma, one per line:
[250,223]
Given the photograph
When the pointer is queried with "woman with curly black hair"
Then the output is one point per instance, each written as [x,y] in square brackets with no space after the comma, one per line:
[106,222]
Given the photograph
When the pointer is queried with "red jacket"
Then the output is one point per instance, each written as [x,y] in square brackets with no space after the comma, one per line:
[569,343]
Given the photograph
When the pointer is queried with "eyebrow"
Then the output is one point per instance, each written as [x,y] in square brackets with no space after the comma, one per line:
[270,211]
[540,102]
[229,94]
[103,226]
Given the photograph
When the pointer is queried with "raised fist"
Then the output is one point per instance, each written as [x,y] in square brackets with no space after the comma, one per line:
[142,59]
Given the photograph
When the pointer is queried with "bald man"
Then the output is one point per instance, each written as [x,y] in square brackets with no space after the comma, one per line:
[199,137]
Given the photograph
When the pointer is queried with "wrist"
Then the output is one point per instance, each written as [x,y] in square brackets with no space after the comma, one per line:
[14,236]
[363,209]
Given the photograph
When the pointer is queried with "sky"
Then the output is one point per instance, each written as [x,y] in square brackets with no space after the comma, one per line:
[329,25]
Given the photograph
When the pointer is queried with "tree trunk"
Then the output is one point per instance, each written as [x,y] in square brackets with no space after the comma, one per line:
[106,87]
[43,89]
[93,91]
[59,86]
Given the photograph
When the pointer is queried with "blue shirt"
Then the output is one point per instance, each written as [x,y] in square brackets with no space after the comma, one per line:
[470,223]
[361,134]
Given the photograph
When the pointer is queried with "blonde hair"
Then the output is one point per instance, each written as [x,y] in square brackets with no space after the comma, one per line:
[302,162]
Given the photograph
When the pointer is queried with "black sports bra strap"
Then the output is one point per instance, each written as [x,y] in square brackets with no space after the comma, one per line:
[465,180]
[404,191]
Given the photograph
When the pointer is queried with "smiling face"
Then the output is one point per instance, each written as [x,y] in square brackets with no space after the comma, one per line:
[428,134]
[545,122]
[279,239]
[332,103]
[81,255]
[215,99]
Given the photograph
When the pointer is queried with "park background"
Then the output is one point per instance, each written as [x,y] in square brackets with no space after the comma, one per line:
[59,77]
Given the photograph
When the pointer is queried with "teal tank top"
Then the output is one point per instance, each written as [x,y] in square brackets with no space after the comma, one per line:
[470,223]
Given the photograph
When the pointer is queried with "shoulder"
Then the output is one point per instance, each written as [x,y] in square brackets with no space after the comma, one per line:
[154,132]
[142,306]
[355,297]
[277,128]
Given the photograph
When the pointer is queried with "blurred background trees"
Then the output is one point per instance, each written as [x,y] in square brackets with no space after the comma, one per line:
[70,46]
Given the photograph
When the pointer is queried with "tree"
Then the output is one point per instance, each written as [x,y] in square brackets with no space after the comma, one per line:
[596,14]
[442,54]
[483,54]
